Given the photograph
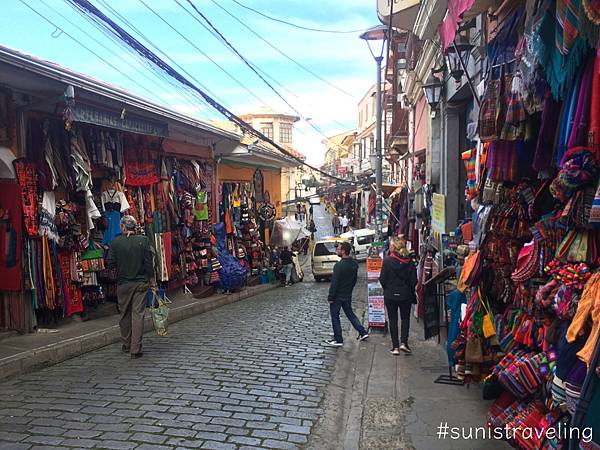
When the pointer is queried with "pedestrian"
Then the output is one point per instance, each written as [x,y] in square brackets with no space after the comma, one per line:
[344,223]
[286,264]
[312,228]
[344,277]
[336,224]
[398,278]
[310,211]
[133,258]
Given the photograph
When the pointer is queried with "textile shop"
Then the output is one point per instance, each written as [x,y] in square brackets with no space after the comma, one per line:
[247,212]
[73,187]
[531,283]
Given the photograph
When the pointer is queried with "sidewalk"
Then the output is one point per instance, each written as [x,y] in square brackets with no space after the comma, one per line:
[23,353]
[378,401]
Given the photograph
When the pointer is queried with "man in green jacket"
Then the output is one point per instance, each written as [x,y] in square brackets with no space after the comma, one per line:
[345,273]
[133,258]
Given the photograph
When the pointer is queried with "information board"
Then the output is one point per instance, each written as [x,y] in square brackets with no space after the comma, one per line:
[375,293]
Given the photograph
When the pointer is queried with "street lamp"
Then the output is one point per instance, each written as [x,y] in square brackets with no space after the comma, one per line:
[377,33]
[458,58]
[433,90]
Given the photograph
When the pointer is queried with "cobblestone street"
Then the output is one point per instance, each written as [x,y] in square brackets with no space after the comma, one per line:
[250,374]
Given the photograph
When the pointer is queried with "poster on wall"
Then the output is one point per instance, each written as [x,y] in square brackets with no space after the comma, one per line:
[376,305]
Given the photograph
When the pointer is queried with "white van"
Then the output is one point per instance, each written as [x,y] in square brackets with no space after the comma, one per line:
[361,241]
[324,257]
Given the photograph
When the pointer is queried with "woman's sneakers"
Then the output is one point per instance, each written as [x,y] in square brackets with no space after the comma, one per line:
[405,348]
[334,343]
[395,351]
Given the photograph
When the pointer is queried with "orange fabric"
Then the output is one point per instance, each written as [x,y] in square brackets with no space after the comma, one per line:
[228,225]
[589,303]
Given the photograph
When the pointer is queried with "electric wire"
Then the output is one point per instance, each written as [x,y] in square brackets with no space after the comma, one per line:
[302,66]
[279,51]
[243,58]
[89,8]
[201,51]
[318,30]
[84,46]
[115,54]
[157,49]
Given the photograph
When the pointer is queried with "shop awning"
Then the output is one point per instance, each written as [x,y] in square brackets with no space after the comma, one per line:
[402,15]
[255,155]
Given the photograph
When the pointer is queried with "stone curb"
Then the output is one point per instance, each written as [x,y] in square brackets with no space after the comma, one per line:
[49,355]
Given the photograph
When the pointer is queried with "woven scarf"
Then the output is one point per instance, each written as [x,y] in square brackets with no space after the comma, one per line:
[567,22]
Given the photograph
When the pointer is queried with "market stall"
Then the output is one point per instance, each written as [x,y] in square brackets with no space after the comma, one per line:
[531,279]
[73,188]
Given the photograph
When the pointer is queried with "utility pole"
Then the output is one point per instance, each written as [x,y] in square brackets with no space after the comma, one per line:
[378,155]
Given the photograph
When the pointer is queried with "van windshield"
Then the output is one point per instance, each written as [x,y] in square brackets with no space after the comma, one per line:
[325,249]
[364,240]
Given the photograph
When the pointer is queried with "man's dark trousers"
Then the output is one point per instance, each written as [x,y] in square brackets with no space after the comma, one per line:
[334,309]
[132,303]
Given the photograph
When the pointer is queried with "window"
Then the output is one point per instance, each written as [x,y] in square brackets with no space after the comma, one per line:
[325,249]
[360,119]
[285,133]
[267,130]
[365,240]
[367,113]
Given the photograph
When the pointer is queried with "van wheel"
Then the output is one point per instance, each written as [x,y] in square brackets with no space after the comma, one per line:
[318,279]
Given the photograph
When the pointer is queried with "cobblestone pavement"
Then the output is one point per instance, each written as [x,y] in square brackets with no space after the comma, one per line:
[248,375]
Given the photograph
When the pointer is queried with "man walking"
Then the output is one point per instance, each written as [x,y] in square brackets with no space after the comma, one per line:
[344,223]
[287,264]
[343,281]
[133,257]
[336,224]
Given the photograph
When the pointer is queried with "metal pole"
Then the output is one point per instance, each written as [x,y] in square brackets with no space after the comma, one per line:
[378,154]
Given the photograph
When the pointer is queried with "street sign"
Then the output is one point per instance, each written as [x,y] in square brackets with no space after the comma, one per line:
[376,304]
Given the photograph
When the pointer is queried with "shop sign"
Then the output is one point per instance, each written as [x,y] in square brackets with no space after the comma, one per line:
[375,301]
[438,213]
[431,313]
[118,121]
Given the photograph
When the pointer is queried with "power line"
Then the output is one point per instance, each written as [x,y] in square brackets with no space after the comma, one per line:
[201,51]
[85,47]
[155,47]
[243,58]
[318,30]
[302,66]
[89,8]
[116,55]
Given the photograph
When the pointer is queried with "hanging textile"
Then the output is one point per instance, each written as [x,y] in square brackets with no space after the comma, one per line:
[11,275]
[28,181]
[567,22]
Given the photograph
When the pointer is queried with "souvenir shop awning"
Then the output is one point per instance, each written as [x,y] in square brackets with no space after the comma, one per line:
[47,82]
[257,156]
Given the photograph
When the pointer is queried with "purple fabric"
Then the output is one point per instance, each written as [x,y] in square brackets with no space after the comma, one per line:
[580,124]
[542,159]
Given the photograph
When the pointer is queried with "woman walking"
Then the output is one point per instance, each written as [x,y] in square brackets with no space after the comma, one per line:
[398,278]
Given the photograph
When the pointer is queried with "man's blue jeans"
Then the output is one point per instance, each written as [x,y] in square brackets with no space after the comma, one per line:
[334,309]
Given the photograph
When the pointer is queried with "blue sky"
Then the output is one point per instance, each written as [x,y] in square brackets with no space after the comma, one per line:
[342,59]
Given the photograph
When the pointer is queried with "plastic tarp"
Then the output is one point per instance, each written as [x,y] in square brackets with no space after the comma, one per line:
[287,231]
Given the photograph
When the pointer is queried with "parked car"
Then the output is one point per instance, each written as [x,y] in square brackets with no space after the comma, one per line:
[361,241]
[324,256]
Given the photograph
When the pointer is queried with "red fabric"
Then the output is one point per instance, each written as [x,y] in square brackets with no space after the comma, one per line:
[139,173]
[71,292]
[168,244]
[447,29]
[10,199]
[594,133]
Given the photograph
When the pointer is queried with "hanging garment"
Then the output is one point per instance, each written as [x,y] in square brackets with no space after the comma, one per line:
[502,161]
[589,304]
[113,228]
[47,211]
[580,124]
[551,114]
[73,300]
[28,181]
[594,131]
[567,22]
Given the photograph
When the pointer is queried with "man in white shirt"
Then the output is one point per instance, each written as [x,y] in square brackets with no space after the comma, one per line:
[344,223]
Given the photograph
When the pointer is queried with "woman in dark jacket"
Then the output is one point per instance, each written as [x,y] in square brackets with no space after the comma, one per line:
[398,278]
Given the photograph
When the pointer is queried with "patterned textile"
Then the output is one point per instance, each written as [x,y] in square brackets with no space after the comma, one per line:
[567,21]
[502,161]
